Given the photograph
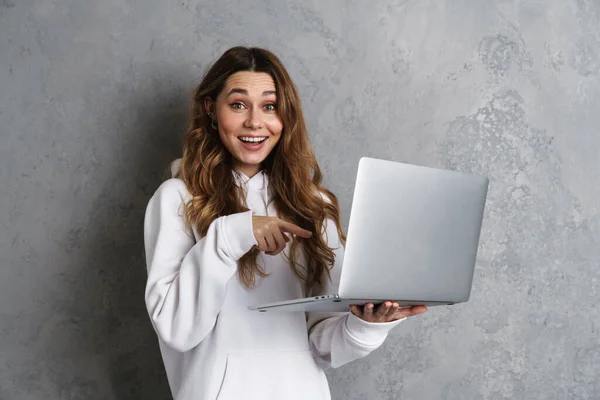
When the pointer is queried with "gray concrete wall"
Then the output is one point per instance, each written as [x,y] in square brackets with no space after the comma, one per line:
[92,107]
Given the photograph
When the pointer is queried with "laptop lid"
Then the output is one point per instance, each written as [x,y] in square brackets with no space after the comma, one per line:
[413,233]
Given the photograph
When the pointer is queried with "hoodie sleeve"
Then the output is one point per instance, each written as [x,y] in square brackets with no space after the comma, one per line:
[186,281]
[339,338]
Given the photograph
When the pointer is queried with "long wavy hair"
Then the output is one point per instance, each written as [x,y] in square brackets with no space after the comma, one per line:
[294,176]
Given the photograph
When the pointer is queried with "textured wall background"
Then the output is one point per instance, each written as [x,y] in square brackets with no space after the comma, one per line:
[93,102]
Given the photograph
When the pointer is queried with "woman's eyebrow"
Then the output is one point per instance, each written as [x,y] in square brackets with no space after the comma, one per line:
[245,92]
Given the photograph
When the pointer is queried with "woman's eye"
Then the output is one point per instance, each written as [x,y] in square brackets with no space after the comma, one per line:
[271,107]
[237,106]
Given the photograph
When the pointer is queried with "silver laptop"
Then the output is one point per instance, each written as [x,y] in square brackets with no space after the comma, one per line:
[412,237]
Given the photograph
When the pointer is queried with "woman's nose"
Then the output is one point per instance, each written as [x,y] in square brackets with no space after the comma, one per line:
[253,121]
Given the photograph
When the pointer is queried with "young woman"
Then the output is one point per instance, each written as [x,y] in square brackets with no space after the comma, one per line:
[245,220]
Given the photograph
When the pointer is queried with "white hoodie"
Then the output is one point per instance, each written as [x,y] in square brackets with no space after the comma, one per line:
[212,346]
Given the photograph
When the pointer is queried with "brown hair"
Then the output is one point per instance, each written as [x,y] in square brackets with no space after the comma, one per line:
[294,175]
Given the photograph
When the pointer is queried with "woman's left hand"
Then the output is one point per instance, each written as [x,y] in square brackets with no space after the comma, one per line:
[387,311]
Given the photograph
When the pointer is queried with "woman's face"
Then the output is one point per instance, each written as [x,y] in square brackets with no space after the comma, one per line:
[247,119]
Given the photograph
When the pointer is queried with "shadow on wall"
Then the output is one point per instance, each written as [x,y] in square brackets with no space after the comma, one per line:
[149,138]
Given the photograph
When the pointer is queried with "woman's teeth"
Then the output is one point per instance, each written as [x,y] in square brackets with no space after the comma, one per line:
[252,140]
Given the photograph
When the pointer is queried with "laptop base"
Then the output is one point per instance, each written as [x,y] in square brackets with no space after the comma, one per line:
[334,303]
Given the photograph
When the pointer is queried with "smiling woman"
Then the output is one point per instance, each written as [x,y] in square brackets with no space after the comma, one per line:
[247,119]
[246,220]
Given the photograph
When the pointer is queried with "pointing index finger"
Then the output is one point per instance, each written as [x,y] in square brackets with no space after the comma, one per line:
[295,229]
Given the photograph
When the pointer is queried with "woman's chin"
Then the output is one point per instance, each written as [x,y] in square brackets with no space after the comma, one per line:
[251,161]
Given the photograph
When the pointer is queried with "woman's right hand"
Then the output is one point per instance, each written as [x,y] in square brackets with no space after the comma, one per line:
[270,233]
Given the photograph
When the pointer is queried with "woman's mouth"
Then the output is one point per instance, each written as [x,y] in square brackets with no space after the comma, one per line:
[253,143]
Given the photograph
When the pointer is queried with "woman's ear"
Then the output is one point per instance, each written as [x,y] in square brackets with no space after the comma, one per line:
[209,106]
